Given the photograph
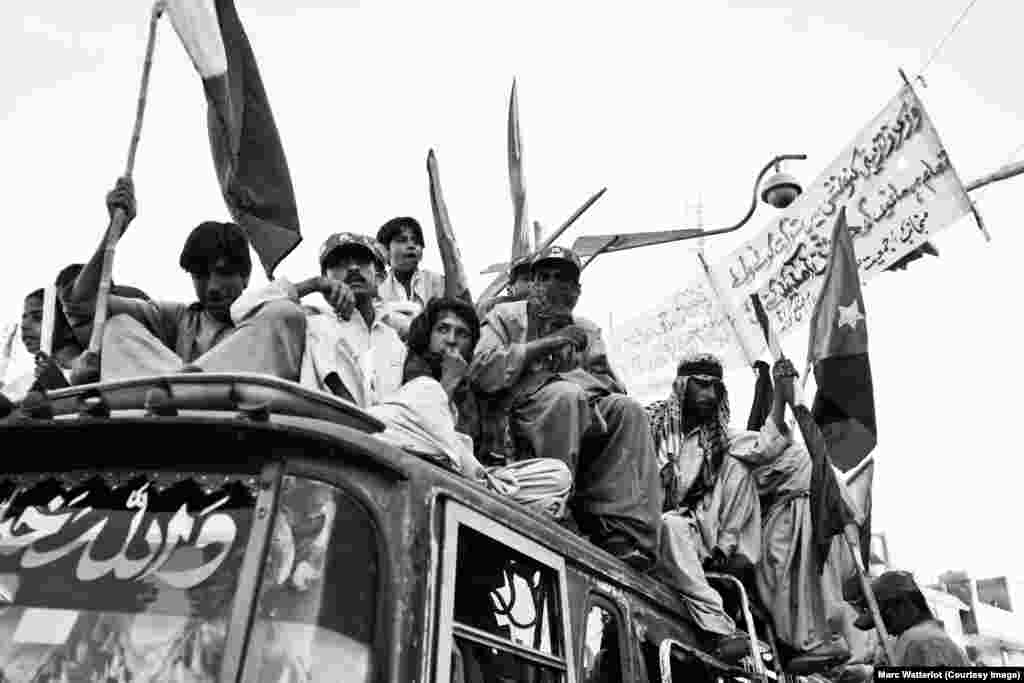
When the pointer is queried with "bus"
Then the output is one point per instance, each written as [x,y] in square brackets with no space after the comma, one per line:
[234,527]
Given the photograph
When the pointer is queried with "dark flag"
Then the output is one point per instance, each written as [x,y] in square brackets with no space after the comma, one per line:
[247,152]
[844,406]
[761,406]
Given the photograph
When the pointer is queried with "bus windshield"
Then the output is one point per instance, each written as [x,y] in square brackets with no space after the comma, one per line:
[131,576]
[119,576]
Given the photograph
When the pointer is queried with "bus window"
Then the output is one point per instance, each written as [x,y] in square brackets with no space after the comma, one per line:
[119,576]
[505,599]
[315,616]
[681,663]
[601,661]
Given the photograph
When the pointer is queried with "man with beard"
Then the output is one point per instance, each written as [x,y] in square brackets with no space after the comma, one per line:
[549,371]
[712,517]
[154,337]
[350,351]
[716,479]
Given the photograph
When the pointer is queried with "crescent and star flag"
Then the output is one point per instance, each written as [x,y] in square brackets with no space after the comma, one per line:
[247,152]
[844,405]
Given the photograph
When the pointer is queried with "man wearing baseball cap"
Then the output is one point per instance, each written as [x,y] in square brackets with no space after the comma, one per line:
[349,351]
[920,638]
[518,287]
[549,371]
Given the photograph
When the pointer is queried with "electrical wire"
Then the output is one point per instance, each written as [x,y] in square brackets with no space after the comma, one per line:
[942,43]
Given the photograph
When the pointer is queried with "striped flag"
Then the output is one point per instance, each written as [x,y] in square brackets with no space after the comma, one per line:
[844,405]
[247,152]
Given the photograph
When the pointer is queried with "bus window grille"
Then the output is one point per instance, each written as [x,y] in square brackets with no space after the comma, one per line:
[537,596]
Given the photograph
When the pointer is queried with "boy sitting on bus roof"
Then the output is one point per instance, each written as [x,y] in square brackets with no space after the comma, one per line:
[434,413]
[349,351]
[549,370]
[152,337]
[407,288]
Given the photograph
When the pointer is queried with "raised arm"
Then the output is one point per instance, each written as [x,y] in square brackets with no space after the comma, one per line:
[81,296]
[337,294]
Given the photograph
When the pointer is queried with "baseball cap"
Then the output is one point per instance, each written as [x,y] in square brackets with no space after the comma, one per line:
[342,240]
[520,263]
[556,253]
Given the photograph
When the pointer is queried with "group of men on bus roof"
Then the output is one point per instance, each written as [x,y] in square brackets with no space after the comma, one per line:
[672,489]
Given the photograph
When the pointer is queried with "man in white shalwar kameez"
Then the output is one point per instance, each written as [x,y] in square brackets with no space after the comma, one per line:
[712,516]
[349,351]
[766,468]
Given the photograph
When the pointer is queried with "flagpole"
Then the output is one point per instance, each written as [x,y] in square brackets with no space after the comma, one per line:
[730,314]
[119,219]
[806,424]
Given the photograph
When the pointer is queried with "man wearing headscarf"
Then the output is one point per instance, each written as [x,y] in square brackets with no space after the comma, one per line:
[549,371]
[716,479]
[712,517]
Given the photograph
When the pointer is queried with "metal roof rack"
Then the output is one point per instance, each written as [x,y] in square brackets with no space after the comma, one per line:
[254,395]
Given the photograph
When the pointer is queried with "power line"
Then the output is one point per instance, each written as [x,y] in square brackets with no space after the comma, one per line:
[942,43]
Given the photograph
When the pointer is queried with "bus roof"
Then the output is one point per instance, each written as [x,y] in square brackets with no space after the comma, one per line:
[284,407]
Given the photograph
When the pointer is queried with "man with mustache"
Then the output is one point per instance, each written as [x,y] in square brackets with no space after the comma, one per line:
[549,371]
[156,337]
[350,351]
[407,287]
[716,479]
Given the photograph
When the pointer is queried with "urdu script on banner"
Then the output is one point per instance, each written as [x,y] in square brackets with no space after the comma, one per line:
[899,188]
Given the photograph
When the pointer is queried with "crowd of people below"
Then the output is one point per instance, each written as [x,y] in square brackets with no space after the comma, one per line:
[516,393]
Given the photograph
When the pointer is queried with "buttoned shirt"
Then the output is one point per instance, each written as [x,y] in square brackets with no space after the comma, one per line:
[368,358]
[425,285]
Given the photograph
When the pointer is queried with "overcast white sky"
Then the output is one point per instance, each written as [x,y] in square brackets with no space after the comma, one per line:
[661,102]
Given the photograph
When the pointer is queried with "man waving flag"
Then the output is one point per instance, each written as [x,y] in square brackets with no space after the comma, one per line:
[247,151]
[844,406]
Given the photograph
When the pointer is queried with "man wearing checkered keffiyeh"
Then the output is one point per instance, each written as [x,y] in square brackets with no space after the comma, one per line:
[715,479]
[712,517]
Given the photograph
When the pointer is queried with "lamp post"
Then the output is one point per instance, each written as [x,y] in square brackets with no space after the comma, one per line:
[780,190]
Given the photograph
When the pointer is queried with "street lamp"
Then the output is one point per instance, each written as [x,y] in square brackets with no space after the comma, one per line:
[779,191]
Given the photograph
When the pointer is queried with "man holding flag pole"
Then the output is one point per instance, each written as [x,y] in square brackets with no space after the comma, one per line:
[842,422]
[151,338]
